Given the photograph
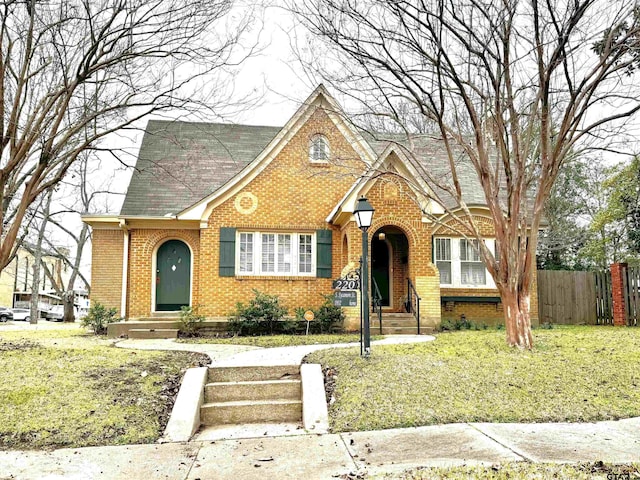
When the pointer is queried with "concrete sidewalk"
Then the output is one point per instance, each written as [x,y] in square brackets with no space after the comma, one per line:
[332,455]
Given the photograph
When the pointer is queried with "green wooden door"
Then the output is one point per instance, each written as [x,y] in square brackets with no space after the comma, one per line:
[380,269]
[173,276]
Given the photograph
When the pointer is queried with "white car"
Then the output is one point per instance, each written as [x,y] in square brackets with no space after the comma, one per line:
[56,313]
[22,314]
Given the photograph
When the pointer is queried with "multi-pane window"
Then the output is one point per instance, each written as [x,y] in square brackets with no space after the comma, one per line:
[443,259]
[245,263]
[268,253]
[284,253]
[472,271]
[305,250]
[264,253]
[460,264]
[319,149]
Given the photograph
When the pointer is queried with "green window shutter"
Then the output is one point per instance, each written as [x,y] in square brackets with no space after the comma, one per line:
[323,253]
[227,252]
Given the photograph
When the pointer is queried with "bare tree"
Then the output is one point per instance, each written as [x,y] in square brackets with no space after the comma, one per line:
[38,260]
[74,71]
[86,183]
[513,88]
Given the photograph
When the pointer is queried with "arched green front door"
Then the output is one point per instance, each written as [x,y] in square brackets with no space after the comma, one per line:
[173,276]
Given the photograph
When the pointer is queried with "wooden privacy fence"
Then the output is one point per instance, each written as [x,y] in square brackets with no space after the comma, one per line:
[567,297]
[591,298]
[631,293]
[604,299]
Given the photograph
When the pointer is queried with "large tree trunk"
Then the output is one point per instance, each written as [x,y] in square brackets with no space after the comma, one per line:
[67,301]
[517,317]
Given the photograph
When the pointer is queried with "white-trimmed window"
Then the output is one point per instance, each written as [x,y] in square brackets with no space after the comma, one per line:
[443,259]
[460,264]
[472,271]
[319,149]
[245,253]
[269,253]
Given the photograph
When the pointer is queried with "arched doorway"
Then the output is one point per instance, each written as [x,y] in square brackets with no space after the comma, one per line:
[173,276]
[390,265]
[381,269]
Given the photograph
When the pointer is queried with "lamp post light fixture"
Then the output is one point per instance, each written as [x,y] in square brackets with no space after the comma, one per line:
[364,217]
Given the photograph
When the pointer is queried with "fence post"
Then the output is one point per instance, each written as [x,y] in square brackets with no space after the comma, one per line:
[618,272]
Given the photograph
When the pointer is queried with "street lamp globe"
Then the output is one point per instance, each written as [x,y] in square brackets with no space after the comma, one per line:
[364,214]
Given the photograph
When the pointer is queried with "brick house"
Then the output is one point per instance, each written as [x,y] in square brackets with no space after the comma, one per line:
[214,211]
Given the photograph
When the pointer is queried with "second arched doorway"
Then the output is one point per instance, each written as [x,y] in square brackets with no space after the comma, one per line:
[390,266]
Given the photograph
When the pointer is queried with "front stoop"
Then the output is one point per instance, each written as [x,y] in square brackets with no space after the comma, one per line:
[397,324]
[123,328]
[243,395]
[146,333]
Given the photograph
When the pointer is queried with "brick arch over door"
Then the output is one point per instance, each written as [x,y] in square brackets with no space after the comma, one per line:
[419,240]
[144,244]
[190,237]
[387,220]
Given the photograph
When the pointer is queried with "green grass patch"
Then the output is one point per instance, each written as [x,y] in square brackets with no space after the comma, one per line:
[508,471]
[271,341]
[73,391]
[43,334]
[575,374]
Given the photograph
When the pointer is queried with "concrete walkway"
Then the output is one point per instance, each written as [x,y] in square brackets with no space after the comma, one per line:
[243,356]
[333,455]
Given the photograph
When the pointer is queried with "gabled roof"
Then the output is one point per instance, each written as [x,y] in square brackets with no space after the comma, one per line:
[182,162]
[428,154]
[319,98]
[185,169]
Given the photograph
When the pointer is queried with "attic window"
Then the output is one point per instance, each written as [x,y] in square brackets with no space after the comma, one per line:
[319,149]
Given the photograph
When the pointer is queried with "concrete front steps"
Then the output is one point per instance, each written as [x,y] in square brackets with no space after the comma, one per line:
[249,395]
[158,326]
[397,324]
[146,333]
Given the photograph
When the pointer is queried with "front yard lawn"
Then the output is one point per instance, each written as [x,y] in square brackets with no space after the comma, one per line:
[540,471]
[270,341]
[65,389]
[574,374]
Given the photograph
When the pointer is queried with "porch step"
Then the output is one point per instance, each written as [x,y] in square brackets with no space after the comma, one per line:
[146,333]
[119,329]
[251,411]
[375,330]
[249,374]
[256,390]
[158,319]
[260,394]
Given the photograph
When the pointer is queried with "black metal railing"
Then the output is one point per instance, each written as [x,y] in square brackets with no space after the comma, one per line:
[376,304]
[413,302]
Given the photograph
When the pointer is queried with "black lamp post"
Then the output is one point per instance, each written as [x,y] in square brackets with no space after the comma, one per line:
[364,216]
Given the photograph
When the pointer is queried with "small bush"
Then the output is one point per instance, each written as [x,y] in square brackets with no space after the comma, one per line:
[189,321]
[545,326]
[99,317]
[262,316]
[461,324]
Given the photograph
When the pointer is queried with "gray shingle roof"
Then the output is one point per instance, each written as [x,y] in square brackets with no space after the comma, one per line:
[180,163]
[430,159]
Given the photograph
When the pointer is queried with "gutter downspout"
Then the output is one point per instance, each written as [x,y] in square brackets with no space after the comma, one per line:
[125,269]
